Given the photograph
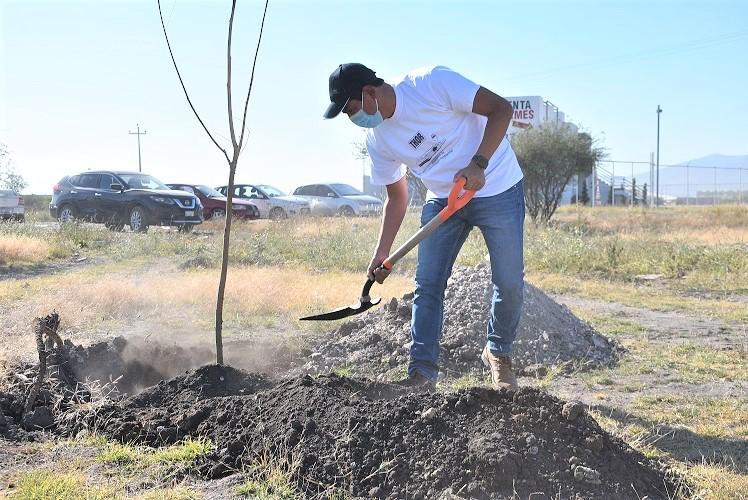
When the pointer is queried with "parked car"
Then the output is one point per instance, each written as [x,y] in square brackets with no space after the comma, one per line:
[273,203]
[338,199]
[118,198]
[214,203]
[11,205]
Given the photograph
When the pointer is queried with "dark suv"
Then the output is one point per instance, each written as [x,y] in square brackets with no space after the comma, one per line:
[123,198]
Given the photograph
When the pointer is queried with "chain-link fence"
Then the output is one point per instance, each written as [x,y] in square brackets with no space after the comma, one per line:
[615,182]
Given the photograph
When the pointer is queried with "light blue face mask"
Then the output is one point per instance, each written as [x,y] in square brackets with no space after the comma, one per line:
[364,119]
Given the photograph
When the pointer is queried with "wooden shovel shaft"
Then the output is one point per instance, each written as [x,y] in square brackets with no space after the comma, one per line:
[414,240]
[456,200]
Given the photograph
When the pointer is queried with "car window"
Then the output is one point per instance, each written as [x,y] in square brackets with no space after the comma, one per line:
[325,191]
[142,181]
[254,193]
[241,192]
[74,180]
[89,180]
[303,190]
[346,190]
[187,189]
[271,191]
[209,192]
[106,181]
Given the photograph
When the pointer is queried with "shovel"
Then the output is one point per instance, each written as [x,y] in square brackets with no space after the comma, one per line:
[457,199]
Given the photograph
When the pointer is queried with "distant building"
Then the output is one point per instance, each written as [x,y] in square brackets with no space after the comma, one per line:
[533,112]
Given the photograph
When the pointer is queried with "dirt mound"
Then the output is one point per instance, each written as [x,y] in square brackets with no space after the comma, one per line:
[549,334]
[378,441]
[78,375]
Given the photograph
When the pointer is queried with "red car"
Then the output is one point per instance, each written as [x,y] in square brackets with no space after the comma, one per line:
[214,203]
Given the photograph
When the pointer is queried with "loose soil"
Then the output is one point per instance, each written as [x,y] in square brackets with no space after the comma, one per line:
[364,438]
[549,334]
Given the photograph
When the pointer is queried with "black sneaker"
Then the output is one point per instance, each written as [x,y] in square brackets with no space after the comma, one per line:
[417,381]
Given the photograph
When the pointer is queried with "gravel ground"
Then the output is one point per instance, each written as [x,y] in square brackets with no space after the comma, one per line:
[549,335]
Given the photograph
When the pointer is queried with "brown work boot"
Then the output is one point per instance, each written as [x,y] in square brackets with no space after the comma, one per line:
[417,382]
[502,376]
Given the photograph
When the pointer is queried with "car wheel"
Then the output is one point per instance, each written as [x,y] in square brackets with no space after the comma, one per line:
[277,213]
[346,211]
[20,218]
[218,213]
[186,228]
[137,220]
[66,214]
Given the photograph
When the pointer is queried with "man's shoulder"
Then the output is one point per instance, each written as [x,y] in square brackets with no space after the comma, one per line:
[420,75]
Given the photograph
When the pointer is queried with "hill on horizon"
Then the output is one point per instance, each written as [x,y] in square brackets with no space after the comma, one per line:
[715,171]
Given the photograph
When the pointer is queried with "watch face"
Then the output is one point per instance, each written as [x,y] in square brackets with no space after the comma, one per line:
[481,161]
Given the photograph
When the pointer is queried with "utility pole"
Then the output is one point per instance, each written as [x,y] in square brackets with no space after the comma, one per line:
[657,200]
[138,133]
[651,179]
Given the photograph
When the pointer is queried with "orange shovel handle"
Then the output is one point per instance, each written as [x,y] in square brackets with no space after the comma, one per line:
[458,198]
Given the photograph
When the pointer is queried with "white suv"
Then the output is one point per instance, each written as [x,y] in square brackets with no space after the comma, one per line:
[11,205]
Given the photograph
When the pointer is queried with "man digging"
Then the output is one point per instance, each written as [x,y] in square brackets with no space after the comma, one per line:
[443,126]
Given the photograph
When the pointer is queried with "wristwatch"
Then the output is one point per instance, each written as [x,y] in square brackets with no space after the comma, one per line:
[481,161]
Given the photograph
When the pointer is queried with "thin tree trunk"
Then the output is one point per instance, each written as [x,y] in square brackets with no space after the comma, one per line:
[224,262]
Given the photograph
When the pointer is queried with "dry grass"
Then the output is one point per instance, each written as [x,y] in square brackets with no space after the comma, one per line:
[129,300]
[18,249]
[705,416]
[645,296]
[669,219]
[716,482]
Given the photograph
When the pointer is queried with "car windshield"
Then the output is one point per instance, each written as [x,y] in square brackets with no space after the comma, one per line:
[210,192]
[345,190]
[142,181]
[271,191]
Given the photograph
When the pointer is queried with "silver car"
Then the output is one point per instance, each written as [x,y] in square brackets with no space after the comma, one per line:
[338,199]
[272,203]
[11,205]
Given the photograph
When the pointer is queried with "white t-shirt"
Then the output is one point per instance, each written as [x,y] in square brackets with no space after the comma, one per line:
[435,133]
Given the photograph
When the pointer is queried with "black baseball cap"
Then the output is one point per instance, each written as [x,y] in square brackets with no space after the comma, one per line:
[346,82]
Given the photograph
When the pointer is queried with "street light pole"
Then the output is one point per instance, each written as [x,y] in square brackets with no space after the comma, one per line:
[657,200]
[138,133]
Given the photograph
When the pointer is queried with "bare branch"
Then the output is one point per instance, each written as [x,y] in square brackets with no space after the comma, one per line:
[228,80]
[252,76]
[163,26]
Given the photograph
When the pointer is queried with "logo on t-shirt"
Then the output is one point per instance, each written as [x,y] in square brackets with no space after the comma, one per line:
[417,140]
[434,153]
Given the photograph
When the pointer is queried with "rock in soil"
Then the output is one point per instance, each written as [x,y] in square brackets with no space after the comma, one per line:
[549,334]
[371,439]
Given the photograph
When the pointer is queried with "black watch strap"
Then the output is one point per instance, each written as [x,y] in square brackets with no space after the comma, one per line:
[481,161]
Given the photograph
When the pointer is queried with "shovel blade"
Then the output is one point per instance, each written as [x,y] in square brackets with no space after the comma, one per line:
[343,312]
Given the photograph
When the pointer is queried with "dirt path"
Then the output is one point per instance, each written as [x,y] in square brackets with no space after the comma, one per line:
[621,393]
[667,326]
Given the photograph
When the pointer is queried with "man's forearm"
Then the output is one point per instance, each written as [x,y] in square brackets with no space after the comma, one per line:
[496,127]
[394,213]
[499,112]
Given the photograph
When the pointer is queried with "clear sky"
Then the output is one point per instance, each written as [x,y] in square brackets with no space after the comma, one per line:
[75,77]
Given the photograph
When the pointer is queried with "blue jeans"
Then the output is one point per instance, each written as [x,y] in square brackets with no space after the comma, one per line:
[500,218]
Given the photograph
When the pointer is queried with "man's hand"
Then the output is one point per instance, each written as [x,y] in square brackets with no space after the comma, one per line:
[476,177]
[375,272]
